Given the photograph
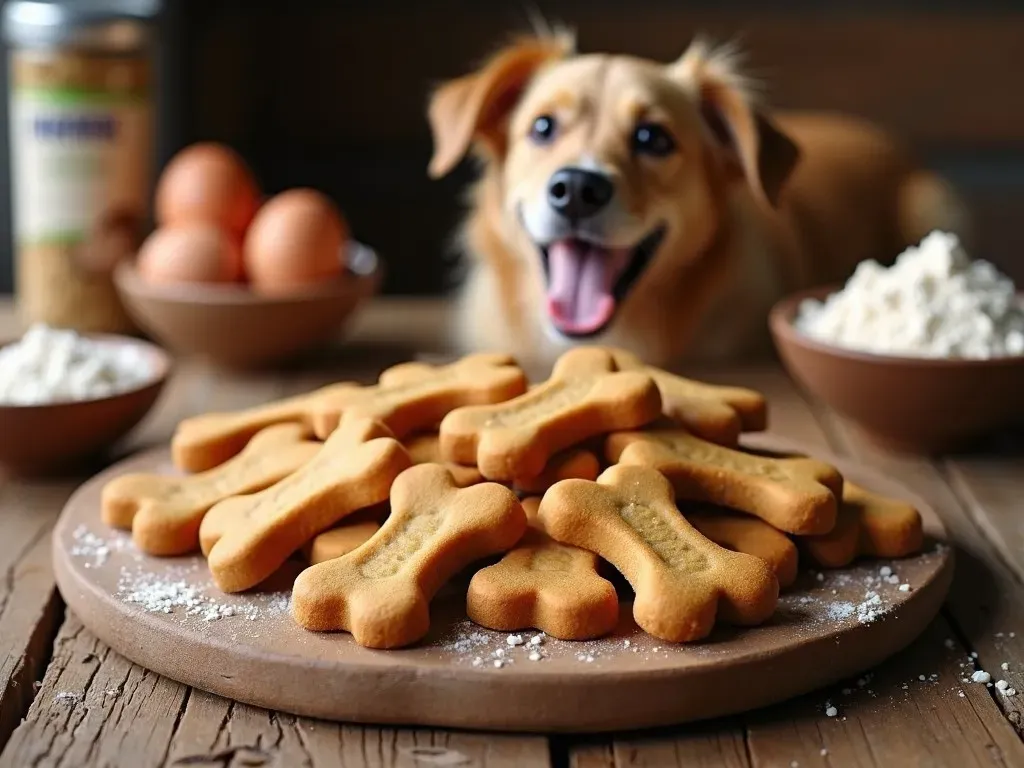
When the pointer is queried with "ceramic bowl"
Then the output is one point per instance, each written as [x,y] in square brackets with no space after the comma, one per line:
[40,439]
[235,327]
[916,405]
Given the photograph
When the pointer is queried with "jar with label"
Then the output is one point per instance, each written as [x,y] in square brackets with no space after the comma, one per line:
[82,153]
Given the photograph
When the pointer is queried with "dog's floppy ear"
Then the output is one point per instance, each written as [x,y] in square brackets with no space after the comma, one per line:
[763,152]
[475,108]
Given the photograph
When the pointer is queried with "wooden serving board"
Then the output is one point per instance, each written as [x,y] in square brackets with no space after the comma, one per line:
[166,615]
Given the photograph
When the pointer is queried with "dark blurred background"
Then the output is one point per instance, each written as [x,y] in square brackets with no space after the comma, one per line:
[331,94]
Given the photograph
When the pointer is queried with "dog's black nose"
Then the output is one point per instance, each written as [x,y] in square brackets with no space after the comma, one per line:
[577,194]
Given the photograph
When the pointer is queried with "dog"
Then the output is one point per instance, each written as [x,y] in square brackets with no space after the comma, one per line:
[661,208]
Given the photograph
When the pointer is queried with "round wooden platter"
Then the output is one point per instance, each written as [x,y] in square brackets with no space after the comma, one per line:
[166,615]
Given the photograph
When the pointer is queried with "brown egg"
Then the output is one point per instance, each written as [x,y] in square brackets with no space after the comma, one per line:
[295,240]
[190,253]
[208,183]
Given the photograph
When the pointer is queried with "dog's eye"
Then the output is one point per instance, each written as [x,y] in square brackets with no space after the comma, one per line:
[543,129]
[652,139]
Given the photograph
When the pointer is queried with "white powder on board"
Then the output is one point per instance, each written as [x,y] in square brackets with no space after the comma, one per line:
[934,301]
[50,365]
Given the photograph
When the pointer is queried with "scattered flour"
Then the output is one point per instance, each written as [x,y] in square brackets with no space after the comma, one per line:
[95,549]
[935,302]
[171,593]
[840,610]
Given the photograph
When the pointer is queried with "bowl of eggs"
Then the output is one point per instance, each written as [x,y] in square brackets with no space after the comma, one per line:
[237,280]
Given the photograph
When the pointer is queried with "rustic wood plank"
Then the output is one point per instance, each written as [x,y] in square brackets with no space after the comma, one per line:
[894,718]
[718,744]
[95,708]
[992,487]
[216,731]
[908,56]
[29,607]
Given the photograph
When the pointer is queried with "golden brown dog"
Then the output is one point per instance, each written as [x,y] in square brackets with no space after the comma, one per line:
[659,207]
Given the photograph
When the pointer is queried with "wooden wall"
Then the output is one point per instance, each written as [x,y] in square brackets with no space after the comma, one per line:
[332,94]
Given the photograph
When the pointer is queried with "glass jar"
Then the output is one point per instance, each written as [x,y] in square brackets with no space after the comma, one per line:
[82,153]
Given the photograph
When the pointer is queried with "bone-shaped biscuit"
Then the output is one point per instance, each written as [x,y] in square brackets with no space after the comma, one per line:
[716,413]
[573,464]
[164,513]
[203,442]
[414,396]
[336,542]
[869,525]
[742,533]
[794,495]
[353,470]
[682,580]
[425,448]
[544,585]
[583,397]
[237,510]
[381,591]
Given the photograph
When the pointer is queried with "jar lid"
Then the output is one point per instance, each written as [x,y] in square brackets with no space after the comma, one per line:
[109,24]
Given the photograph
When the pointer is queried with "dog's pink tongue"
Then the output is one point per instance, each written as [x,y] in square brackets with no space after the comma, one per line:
[580,286]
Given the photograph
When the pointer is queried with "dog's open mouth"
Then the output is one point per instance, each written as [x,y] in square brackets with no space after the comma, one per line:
[587,282]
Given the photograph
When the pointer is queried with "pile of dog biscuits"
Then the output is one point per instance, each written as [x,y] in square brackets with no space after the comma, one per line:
[391,490]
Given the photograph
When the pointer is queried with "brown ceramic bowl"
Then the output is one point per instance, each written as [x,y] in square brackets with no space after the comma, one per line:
[41,439]
[916,405]
[235,327]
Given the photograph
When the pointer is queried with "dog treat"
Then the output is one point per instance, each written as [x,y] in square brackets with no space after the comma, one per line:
[574,464]
[742,533]
[426,449]
[415,396]
[869,525]
[585,396]
[203,442]
[340,541]
[715,413]
[228,512]
[164,513]
[544,585]
[794,495]
[353,470]
[683,581]
[381,591]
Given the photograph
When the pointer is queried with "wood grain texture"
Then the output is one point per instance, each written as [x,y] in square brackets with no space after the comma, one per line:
[95,708]
[718,744]
[29,607]
[910,82]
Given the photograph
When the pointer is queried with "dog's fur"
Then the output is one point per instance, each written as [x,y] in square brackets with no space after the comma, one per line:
[753,205]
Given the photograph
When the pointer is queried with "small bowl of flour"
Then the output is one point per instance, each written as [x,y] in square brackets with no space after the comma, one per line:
[924,355]
[65,397]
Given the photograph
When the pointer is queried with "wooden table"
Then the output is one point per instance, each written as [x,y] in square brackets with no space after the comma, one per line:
[68,700]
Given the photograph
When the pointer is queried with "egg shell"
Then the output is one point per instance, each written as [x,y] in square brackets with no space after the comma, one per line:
[295,240]
[190,253]
[209,183]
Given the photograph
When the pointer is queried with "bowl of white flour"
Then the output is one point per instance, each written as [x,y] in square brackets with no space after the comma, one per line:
[66,397]
[924,355]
